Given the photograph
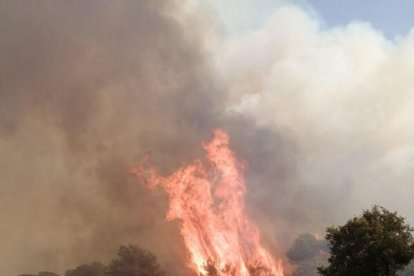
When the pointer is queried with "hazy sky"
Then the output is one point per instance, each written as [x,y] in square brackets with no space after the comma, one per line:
[393,18]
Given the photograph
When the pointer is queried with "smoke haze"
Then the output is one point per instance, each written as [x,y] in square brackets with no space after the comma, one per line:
[322,116]
[345,97]
[86,89]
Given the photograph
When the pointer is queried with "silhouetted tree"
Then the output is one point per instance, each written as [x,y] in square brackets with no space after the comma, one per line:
[133,261]
[43,273]
[94,269]
[212,268]
[377,243]
[258,269]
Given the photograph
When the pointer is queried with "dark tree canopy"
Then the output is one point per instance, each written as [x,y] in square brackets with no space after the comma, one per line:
[213,268]
[377,243]
[43,273]
[133,261]
[94,269]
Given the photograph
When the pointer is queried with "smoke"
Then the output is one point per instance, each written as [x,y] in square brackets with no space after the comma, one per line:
[86,89]
[322,116]
[306,246]
[344,98]
[307,254]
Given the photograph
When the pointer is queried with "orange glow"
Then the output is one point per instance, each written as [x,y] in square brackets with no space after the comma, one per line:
[209,202]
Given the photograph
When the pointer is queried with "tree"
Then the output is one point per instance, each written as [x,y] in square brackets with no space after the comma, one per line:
[94,269]
[133,261]
[377,243]
[43,273]
[212,268]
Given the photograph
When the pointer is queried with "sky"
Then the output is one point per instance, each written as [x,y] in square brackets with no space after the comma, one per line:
[317,99]
[393,19]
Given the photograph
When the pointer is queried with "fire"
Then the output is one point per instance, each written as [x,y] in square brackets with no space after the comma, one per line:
[209,201]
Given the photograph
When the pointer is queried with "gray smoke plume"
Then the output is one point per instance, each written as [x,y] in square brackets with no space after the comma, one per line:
[86,88]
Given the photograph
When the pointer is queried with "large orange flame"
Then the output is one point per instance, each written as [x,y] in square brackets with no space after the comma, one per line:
[209,200]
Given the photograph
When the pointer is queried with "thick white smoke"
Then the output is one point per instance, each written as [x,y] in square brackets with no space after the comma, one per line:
[345,95]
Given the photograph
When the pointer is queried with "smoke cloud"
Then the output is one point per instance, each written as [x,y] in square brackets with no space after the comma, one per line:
[86,89]
[322,116]
[344,98]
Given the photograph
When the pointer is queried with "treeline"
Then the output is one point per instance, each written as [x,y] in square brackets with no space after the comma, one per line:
[376,243]
[129,261]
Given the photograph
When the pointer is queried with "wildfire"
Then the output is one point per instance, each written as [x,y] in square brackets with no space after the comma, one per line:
[209,200]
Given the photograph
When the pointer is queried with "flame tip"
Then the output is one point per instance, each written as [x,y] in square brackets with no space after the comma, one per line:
[209,202]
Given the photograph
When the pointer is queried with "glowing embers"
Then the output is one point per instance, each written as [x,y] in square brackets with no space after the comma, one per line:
[209,201]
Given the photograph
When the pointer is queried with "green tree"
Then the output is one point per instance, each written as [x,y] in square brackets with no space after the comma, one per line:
[377,243]
[133,261]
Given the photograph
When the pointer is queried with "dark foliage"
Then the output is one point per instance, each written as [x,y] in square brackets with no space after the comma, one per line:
[94,269]
[212,268]
[377,243]
[43,273]
[133,261]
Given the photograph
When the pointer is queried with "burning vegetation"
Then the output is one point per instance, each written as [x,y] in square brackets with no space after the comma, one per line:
[208,199]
